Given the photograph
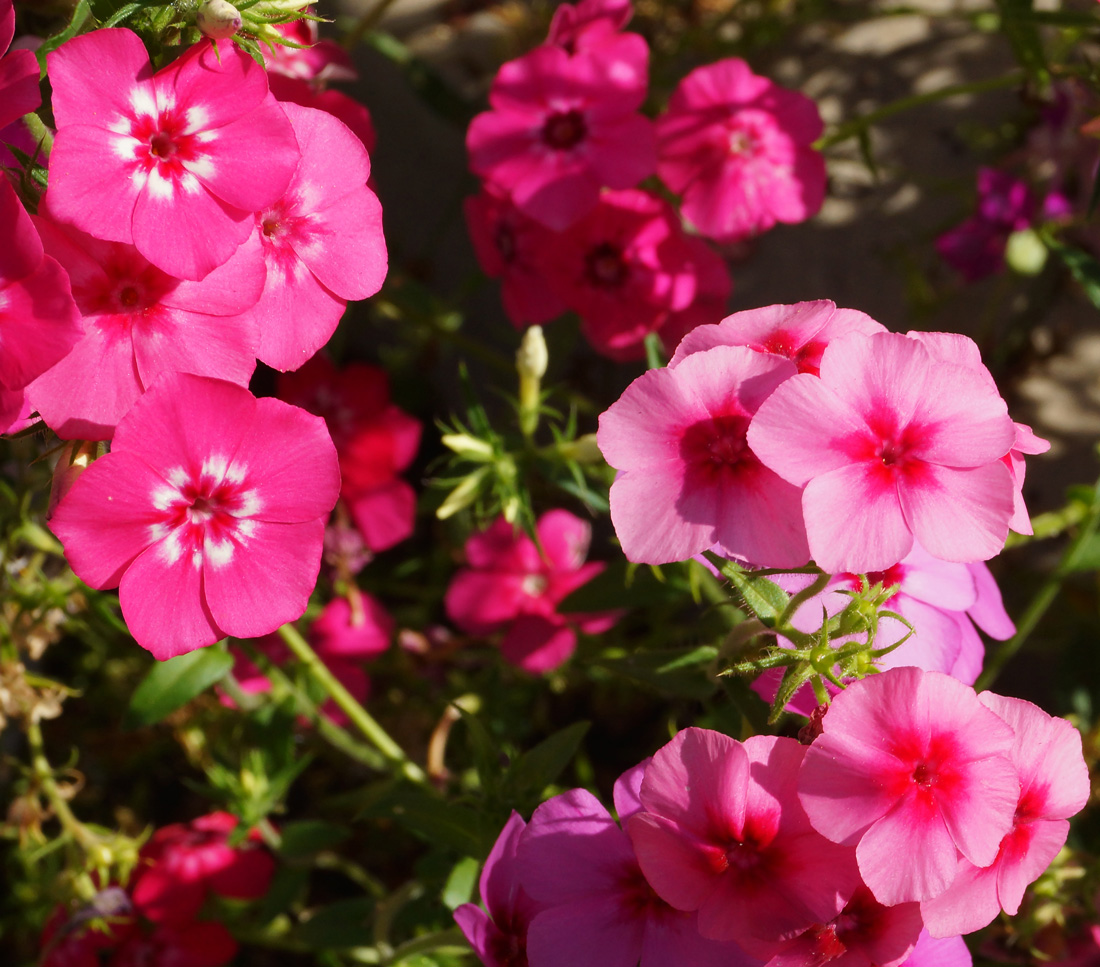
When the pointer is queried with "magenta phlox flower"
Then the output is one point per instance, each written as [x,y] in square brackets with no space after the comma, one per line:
[314,59]
[510,586]
[174,162]
[564,125]
[946,952]
[68,939]
[208,514]
[1054,785]
[140,322]
[354,627]
[512,247]
[738,149]
[688,478]
[891,444]
[499,936]
[589,23]
[322,242]
[797,332]
[713,286]
[337,103]
[197,944]
[39,321]
[599,910]
[722,832]
[19,91]
[975,248]
[913,770]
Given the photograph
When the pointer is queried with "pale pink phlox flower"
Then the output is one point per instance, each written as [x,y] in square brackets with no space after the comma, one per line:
[577,26]
[599,909]
[499,936]
[946,952]
[798,332]
[208,514]
[39,321]
[510,586]
[175,162]
[1054,785]
[688,479]
[722,832]
[738,149]
[891,444]
[19,91]
[512,247]
[562,126]
[322,242]
[140,322]
[713,286]
[315,60]
[912,770]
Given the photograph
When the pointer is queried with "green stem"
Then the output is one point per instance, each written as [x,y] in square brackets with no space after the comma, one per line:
[44,774]
[365,24]
[38,130]
[452,937]
[359,716]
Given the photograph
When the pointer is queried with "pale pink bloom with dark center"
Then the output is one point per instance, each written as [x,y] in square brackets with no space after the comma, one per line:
[913,770]
[208,514]
[600,911]
[1054,785]
[721,831]
[891,444]
[19,92]
[689,478]
[562,126]
[738,149]
[174,162]
[140,322]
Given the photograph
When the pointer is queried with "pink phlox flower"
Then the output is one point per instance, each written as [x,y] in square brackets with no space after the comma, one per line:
[713,286]
[184,862]
[599,910]
[140,322]
[355,627]
[913,770]
[738,149]
[623,268]
[589,23]
[19,90]
[512,247]
[355,115]
[1054,785]
[946,952]
[69,940]
[39,321]
[509,586]
[197,944]
[375,439]
[204,488]
[722,832]
[891,444]
[975,248]
[315,60]
[797,332]
[175,162]
[499,936]
[688,477]
[562,126]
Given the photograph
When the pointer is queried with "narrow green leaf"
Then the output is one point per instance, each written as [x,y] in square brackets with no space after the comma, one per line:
[765,598]
[345,923]
[615,587]
[537,768]
[80,16]
[1082,266]
[459,887]
[173,683]
[123,14]
[440,823]
[673,672]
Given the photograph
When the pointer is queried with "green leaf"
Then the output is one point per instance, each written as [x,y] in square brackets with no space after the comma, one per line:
[1087,557]
[459,887]
[346,923]
[1084,268]
[1019,27]
[173,683]
[537,768]
[80,16]
[765,598]
[309,836]
[620,585]
[434,820]
[675,672]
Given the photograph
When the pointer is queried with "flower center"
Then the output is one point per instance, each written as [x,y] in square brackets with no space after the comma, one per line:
[718,443]
[924,775]
[202,509]
[564,130]
[129,296]
[162,145]
[605,266]
[742,143]
[505,241]
[533,584]
[270,227]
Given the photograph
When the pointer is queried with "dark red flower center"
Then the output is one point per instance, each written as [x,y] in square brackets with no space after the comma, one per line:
[505,240]
[605,266]
[718,443]
[162,145]
[564,130]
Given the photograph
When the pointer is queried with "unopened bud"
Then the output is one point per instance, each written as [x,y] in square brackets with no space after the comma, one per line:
[218,19]
[1025,252]
[532,357]
[468,446]
[584,449]
[74,459]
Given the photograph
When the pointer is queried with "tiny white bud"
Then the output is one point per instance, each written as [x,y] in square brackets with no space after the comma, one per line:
[532,356]
[1025,252]
[218,19]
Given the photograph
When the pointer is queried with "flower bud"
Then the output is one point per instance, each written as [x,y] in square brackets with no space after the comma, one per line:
[218,19]
[532,356]
[1025,252]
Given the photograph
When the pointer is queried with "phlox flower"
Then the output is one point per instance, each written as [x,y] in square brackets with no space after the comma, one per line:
[1054,785]
[313,59]
[174,162]
[353,627]
[688,477]
[946,952]
[588,23]
[721,831]
[198,944]
[499,936]
[891,444]
[710,302]
[738,149]
[975,248]
[19,92]
[208,514]
[510,585]
[913,770]
[337,103]
[68,939]
[562,126]
[140,322]
[599,909]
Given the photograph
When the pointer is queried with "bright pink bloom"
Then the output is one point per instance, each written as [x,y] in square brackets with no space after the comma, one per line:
[39,322]
[19,93]
[600,911]
[174,163]
[891,443]
[510,586]
[375,439]
[198,944]
[208,514]
[976,247]
[499,937]
[358,628]
[688,479]
[589,23]
[184,862]
[337,103]
[1054,785]
[313,60]
[712,292]
[562,126]
[949,952]
[140,322]
[512,247]
[915,770]
[722,832]
[322,242]
[68,940]
[738,149]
